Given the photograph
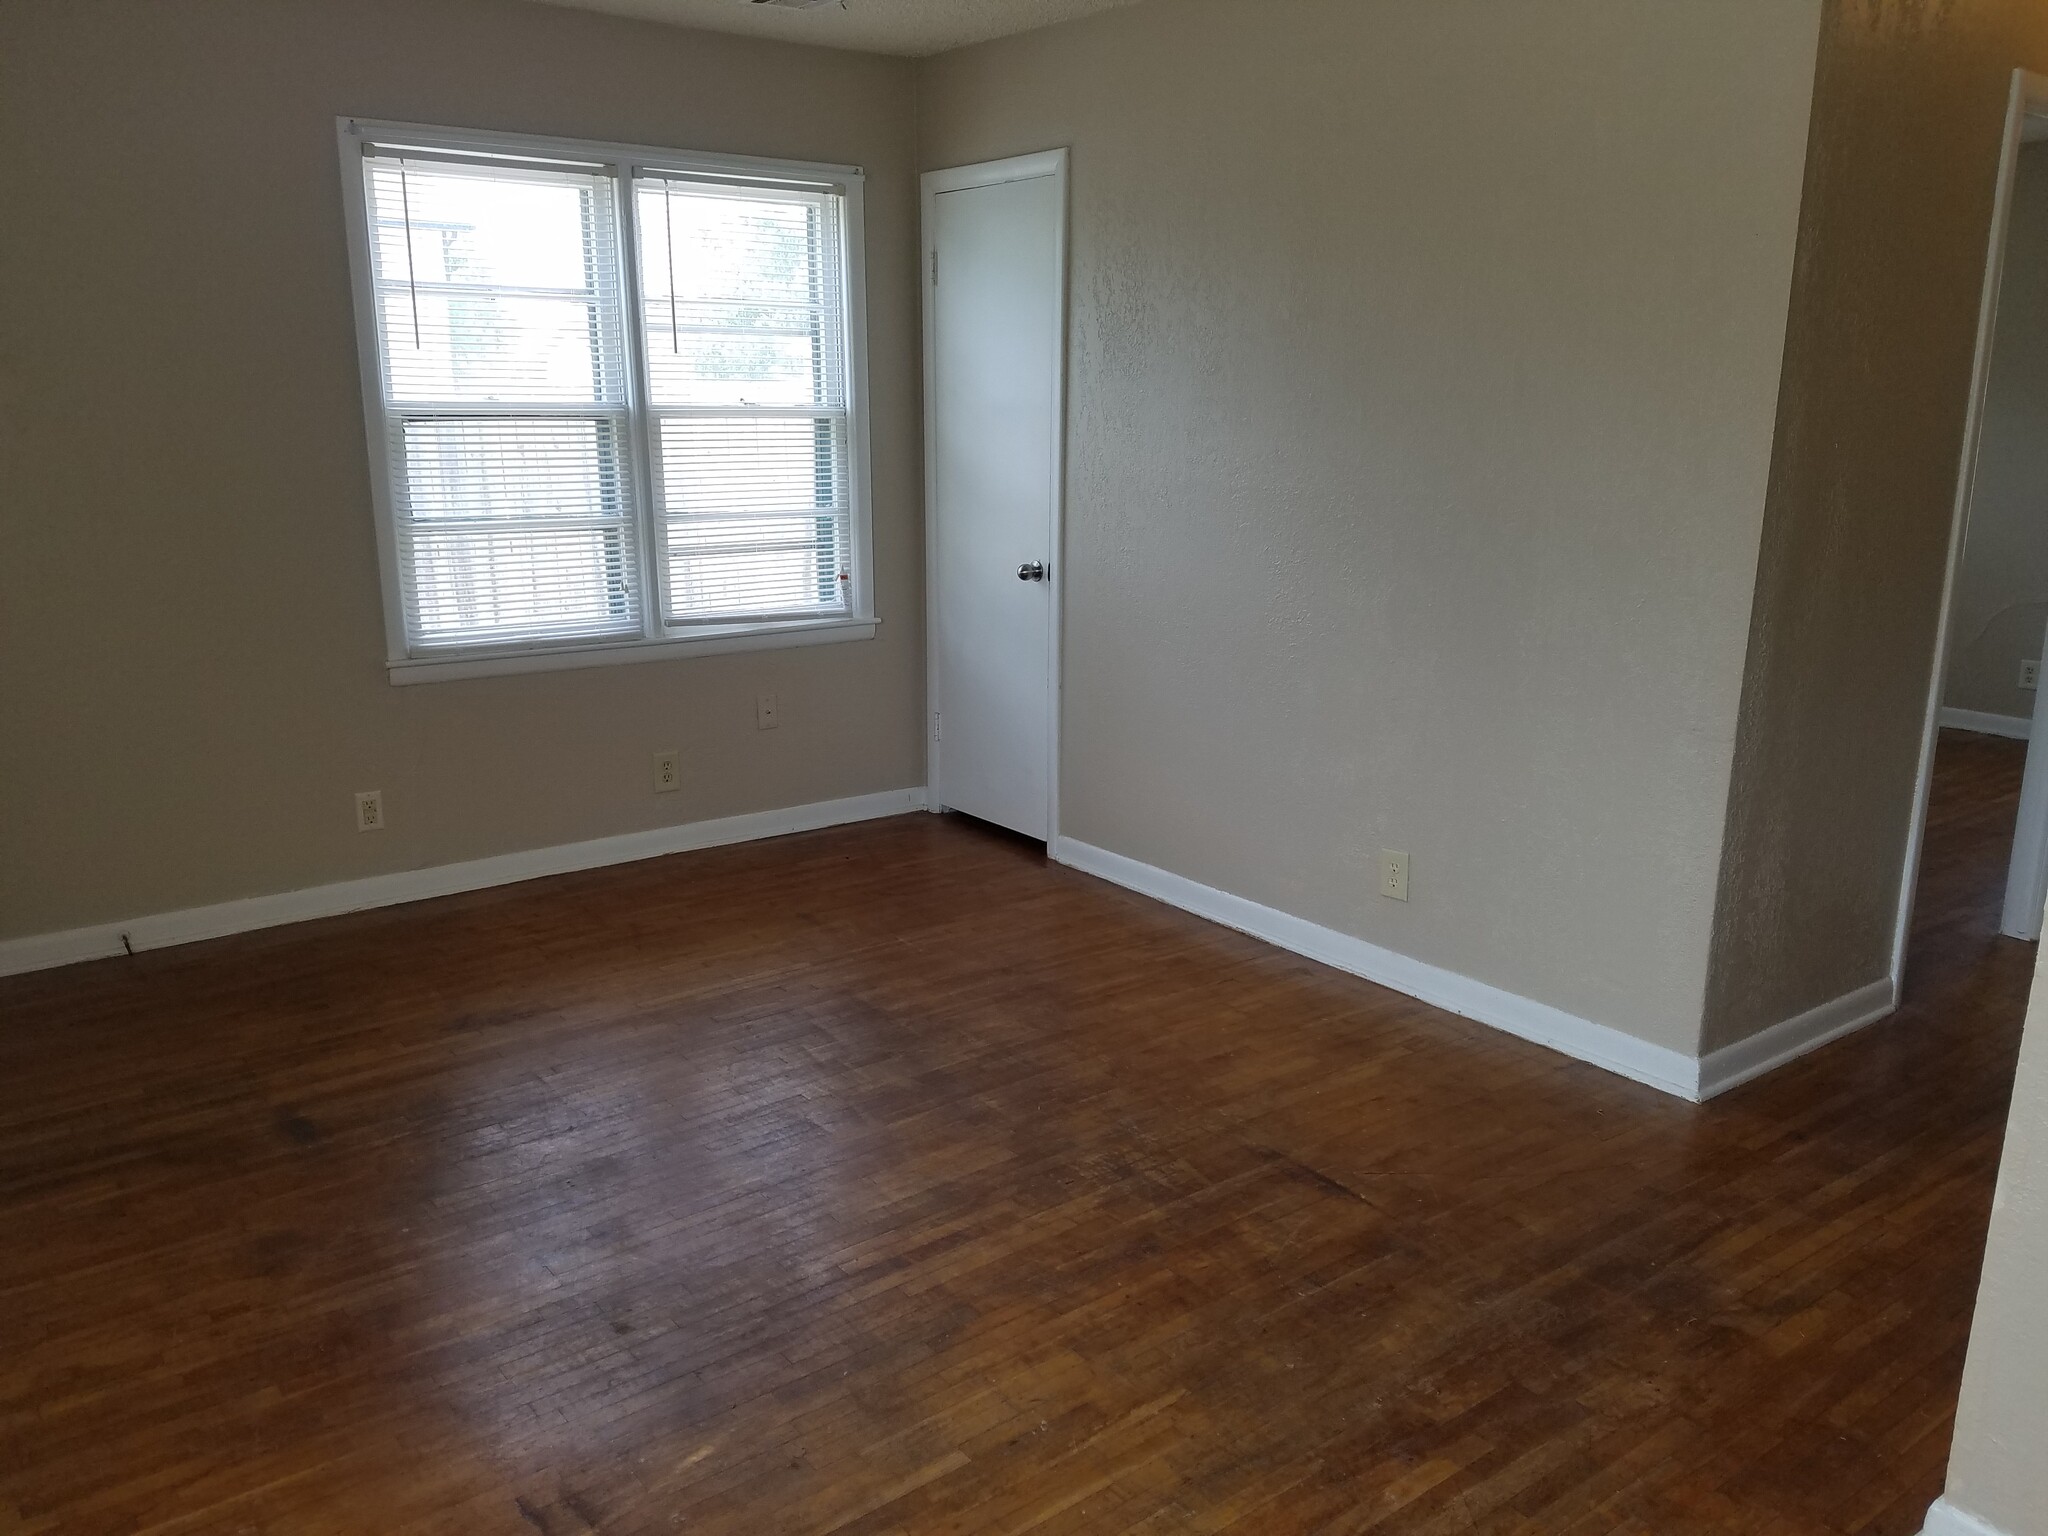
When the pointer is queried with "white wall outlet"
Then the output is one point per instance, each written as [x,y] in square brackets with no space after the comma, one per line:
[2030,674]
[1393,874]
[767,712]
[369,810]
[668,772]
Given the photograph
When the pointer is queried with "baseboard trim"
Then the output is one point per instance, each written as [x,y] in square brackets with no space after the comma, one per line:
[1945,1519]
[42,951]
[2018,727]
[1736,1064]
[1597,1044]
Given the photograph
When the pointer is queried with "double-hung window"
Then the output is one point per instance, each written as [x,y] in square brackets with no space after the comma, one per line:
[614,398]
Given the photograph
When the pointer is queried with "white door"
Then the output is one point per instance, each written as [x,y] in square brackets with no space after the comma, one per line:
[996,289]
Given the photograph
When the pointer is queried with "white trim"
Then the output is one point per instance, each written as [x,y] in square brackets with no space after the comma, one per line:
[993,173]
[41,951]
[2029,95]
[2018,727]
[859,415]
[1601,1045]
[1598,1044]
[355,218]
[425,668]
[1047,163]
[1945,1519]
[649,157]
[1735,1064]
[658,639]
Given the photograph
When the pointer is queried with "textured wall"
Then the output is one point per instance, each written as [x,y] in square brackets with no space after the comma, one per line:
[2001,602]
[1424,360]
[1996,1467]
[1909,104]
[191,648]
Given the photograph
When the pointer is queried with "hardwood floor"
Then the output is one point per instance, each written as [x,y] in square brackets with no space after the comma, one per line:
[888,1180]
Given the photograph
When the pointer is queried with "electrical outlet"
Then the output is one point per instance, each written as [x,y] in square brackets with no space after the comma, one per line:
[369,810]
[1393,874]
[767,713]
[2030,674]
[668,772]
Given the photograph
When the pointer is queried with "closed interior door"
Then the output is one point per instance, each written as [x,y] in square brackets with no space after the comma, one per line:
[996,315]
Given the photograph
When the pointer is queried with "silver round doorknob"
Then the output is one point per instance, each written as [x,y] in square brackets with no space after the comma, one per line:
[1031,570]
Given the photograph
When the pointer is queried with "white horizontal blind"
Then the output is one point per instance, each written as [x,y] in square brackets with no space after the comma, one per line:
[501,344]
[744,326]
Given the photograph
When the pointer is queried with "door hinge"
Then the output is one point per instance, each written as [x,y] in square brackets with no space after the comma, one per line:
[936,730]
[935,266]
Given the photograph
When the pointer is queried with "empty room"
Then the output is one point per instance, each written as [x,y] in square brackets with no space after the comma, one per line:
[989,766]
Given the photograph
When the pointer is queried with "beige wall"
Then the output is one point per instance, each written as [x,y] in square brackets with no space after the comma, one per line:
[2001,600]
[1997,1469]
[191,650]
[1423,369]
[1909,106]
[1422,421]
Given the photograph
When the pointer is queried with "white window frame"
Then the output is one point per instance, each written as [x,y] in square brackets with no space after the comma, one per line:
[410,663]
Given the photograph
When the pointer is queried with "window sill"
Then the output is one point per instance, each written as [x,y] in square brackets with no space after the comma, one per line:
[442,669]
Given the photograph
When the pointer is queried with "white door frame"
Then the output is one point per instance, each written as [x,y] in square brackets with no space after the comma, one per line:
[2028,99]
[1048,163]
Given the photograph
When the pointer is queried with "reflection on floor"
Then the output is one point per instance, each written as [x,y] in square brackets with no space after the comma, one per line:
[888,1180]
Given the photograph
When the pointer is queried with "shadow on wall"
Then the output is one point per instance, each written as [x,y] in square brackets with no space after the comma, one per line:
[2001,596]
[1985,660]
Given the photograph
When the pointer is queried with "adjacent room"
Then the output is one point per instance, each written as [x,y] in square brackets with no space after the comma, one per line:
[1061,766]
[1998,604]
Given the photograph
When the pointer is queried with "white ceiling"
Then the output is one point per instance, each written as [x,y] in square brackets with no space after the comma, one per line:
[878,26]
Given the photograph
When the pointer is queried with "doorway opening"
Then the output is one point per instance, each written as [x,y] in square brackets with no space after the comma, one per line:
[1983,698]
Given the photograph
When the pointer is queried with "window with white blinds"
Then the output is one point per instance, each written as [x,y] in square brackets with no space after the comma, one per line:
[746,366]
[613,396]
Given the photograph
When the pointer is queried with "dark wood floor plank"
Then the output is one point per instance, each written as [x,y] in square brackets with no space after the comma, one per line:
[887,1180]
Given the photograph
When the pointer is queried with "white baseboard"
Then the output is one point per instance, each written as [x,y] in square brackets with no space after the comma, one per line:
[1660,1067]
[1761,1052]
[1944,1519]
[2018,727]
[40,951]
